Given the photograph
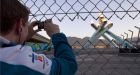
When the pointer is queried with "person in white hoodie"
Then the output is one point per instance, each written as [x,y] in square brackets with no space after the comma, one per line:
[18,59]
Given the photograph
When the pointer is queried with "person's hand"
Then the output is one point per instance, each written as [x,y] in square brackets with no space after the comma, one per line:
[31,31]
[51,28]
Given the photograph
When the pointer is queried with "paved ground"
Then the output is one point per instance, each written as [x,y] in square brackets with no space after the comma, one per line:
[107,62]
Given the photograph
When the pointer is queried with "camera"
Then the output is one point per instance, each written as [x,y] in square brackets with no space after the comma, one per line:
[40,24]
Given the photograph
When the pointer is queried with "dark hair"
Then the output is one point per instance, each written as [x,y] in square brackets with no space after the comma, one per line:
[11,12]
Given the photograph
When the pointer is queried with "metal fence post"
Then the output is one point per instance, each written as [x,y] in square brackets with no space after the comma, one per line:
[122,36]
[138,34]
[126,35]
[131,35]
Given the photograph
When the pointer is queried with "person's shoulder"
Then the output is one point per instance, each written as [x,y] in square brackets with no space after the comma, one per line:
[26,48]
[17,53]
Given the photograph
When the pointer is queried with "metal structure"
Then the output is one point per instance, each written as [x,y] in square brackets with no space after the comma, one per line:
[138,32]
[122,36]
[126,35]
[131,34]
[101,29]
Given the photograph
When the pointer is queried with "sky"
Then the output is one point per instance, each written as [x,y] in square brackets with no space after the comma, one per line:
[80,28]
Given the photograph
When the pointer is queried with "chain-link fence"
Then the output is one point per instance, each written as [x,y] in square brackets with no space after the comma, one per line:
[98,59]
[101,59]
[94,60]
[44,9]
[106,61]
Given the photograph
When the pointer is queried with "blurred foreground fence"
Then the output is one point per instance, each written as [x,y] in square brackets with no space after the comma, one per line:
[92,61]
[44,9]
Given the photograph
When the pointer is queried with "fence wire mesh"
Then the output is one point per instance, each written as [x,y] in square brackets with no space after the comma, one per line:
[44,9]
[105,61]
[92,61]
